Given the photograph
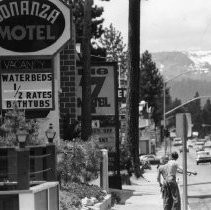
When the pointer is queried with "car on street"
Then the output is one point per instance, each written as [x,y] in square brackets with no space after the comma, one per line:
[152,159]
[177,142]
[181,149]
[207,145]
[203,157]
[202,140]
[190,143]
[199,146]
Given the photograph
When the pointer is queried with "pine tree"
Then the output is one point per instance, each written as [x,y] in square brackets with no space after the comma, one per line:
[96,25]
[112,41]
[206,112]
[78,14]
[206,117]
[171,122]
[151,86]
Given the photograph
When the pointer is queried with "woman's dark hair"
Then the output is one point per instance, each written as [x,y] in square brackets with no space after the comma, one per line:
[174,155]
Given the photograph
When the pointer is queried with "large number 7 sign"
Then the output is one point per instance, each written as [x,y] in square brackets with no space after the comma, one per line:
[98,82]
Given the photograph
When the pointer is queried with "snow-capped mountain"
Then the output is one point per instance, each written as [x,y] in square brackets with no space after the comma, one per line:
[193,68]
[201,59]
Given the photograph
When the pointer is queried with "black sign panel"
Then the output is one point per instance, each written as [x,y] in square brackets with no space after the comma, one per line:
[28,64]
[29,26]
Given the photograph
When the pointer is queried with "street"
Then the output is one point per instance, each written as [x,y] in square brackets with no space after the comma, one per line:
[199,187]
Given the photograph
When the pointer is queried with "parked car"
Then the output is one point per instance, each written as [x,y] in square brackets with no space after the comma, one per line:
[201,140]
[203,157]
[152,159]
[207,145]
[177,142]
[181,149]
[199,148]
[190,143]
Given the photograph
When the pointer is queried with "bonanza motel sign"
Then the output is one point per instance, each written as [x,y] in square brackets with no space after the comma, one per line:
[30,27]
[31,33]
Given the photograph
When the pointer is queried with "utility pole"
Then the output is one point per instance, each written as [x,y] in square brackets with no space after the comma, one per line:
[86,118]
[164,117]
[132,99]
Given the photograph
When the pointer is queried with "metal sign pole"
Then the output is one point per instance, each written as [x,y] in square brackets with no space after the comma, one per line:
[184,138]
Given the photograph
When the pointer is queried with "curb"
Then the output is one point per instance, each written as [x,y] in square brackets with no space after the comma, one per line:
[200,196]
[104,205]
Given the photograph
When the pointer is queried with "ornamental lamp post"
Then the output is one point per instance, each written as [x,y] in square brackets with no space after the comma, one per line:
[21,136]
[50,133]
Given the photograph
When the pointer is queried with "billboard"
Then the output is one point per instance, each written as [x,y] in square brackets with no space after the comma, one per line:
[28,82]
[30,27]
[103,84]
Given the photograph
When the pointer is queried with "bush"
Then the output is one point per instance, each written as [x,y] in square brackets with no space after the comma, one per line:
[81,161]
[125,159]
[82,190]
[14,121]
[69,201]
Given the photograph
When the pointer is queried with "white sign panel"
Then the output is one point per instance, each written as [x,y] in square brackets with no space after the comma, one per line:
[29,90]
[179,124]
[106,138]
[103,89]
[95,123]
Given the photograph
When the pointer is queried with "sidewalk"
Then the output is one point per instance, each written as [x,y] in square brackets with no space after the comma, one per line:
[145,193]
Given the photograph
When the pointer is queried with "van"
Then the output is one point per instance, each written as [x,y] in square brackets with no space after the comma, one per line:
[177,142]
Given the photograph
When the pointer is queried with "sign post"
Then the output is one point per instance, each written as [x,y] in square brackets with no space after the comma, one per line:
[181,123]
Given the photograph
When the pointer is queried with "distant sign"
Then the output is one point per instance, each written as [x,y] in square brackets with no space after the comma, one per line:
[95,123]
[122,94]
[29,27]
[28,82]
[106,138]
[103,89]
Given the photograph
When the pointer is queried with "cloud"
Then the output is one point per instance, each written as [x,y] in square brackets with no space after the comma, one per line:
[165,24]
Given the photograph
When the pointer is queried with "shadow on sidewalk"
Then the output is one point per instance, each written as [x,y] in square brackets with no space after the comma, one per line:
[120,196]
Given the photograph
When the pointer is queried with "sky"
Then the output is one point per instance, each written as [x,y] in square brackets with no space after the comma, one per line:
[166,25]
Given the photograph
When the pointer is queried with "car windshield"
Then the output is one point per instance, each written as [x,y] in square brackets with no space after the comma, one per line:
[203,154]
[199,143]
[150,156]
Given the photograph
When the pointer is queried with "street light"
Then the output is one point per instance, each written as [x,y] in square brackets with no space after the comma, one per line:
[21,136]
[164,102]
[50,133]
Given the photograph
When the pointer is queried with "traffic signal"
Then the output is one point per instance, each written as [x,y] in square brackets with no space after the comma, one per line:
[166,133]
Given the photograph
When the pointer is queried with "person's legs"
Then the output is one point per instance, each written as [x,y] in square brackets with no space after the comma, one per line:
[167,198]
[176,205]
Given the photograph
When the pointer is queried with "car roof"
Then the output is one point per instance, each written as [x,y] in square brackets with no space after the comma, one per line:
[202,152]
[199,142]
